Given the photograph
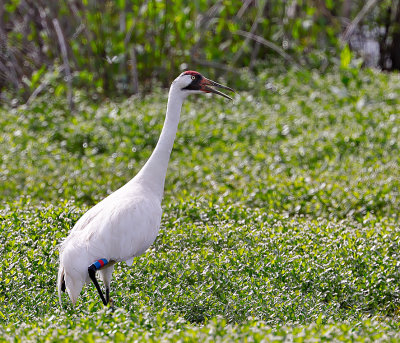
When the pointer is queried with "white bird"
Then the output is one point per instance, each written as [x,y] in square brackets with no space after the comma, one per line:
[126,223]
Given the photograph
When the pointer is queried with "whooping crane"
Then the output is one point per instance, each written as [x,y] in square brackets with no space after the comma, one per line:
[126,223]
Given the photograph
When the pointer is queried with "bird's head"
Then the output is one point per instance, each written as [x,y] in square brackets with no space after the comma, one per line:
[192,82]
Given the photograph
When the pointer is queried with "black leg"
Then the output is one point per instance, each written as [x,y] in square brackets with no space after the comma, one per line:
[107,295]
[92,274]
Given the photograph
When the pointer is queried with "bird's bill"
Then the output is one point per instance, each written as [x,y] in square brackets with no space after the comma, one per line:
[206,86]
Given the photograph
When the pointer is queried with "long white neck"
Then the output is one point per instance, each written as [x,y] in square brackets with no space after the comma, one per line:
[154,171]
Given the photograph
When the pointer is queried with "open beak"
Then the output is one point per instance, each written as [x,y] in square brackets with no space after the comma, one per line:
[206,84]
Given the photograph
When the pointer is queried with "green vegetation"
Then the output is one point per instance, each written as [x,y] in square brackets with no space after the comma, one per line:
[280,213]
[112,46]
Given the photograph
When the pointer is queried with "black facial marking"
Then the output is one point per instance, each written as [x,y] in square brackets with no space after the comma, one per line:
[195,84]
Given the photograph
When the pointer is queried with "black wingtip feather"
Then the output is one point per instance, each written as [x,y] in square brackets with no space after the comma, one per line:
[63,284]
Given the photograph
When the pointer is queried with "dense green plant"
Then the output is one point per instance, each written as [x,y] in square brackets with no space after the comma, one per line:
[251,269]
[111,45]
[280,213]
[301,144]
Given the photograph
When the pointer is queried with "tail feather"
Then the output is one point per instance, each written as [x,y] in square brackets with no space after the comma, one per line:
[60,282]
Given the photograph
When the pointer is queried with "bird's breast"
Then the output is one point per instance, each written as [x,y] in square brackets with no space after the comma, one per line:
[121,226]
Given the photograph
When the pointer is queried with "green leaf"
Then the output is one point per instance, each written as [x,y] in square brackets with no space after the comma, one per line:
[345,57]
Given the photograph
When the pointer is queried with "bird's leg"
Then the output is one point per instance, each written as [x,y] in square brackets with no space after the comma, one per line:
[106,275]
[107,295]
[92,274]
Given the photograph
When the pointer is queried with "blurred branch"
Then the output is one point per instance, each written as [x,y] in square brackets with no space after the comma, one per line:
[134,71]
[352,26]
[83,27]
[10,68]
[10,76]
[268,44]
[321,5]
[395,44]
[215,65]
[206,19]
[67,69]
[383,41]
[346,9]
[242,10]
[202,25]
[37,91]
[252,31]
[42,86]
[129,35]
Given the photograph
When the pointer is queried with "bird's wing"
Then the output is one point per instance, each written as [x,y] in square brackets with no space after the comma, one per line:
[119,227]
[87,224]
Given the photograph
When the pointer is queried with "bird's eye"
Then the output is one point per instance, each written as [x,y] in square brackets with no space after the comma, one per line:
[193,77]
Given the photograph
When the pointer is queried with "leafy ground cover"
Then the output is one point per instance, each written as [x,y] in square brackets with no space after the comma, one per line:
[280,214]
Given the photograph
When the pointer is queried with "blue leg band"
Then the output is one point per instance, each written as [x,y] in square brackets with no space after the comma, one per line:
[100,263]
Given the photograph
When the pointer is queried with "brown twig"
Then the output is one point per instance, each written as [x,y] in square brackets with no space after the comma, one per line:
[64,55]
[83,27]
[243,9]
[43,84]
[268,44]
[202,26]
[215,65]
[10,76]
[252,31]
[134,71]
[352,26]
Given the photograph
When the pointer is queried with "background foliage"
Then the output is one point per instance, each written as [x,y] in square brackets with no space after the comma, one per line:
[113,46]
[280,213]
[273,148]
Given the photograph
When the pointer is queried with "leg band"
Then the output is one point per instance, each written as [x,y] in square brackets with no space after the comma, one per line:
[99,263]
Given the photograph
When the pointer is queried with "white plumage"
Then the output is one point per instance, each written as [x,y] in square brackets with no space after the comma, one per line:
[127,222]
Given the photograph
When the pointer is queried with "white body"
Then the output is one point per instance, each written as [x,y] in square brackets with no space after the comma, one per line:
[127,222]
